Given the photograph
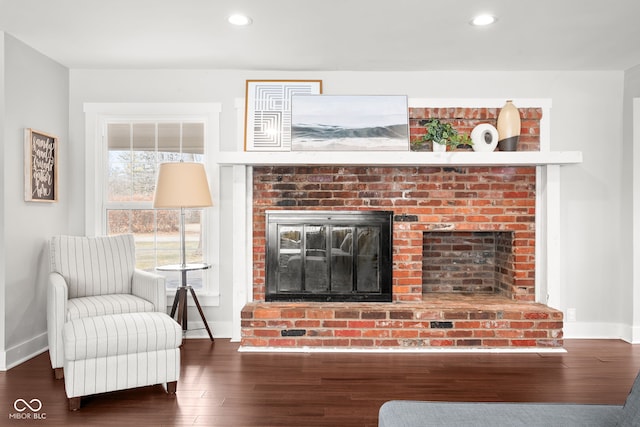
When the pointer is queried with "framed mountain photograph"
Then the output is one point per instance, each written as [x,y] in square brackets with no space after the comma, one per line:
[349,123]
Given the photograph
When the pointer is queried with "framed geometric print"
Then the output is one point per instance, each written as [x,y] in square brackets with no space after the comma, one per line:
[268,112]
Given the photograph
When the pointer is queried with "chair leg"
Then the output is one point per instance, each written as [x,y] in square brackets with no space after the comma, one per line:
[172,386]
[74,403]
[58,373]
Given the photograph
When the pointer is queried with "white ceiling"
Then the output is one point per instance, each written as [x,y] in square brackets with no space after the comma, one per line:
[330,34]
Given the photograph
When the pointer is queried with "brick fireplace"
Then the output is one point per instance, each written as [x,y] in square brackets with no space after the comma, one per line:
[437,302]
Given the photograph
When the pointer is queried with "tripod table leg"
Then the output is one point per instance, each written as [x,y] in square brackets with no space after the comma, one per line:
[206,325]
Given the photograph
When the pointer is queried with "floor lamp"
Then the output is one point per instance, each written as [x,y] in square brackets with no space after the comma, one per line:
[183,185]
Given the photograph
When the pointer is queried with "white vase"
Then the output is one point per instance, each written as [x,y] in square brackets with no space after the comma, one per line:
[484,137]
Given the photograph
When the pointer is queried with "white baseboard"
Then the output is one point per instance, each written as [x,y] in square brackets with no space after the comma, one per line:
[596,330]
[389,350]
[218,329]
[24,351]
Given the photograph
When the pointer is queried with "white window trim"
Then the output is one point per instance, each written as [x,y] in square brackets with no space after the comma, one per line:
[97,114]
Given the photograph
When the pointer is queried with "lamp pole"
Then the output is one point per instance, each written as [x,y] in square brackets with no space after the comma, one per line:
[183,244]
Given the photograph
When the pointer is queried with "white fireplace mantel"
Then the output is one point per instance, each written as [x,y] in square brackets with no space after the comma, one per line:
[399,158]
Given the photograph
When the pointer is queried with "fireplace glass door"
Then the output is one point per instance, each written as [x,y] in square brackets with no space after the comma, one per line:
[316,256]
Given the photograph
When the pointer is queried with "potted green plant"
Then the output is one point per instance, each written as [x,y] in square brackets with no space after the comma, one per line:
[444,135]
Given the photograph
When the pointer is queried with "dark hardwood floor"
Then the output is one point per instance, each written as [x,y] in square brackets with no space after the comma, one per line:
[221,387]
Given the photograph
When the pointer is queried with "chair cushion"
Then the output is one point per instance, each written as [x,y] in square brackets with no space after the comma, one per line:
[106,304]
[119,334]
[94,265]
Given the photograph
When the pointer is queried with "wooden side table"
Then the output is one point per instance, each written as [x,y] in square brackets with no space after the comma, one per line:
[180,300]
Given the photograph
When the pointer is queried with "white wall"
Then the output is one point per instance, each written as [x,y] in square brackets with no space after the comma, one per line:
[631,197]
[586,116]
[3,361]
[36,95]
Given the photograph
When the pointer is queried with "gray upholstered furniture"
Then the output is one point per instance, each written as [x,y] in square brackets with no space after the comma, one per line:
[95,276]
[422,414]
[120,351]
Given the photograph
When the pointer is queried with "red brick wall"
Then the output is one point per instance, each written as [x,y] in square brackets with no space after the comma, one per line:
[465,119]
[422,198]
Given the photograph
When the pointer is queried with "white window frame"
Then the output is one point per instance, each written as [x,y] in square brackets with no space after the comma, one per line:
[97,115]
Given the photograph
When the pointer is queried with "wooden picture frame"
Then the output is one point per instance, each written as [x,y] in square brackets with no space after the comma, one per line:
[40,166]
[268,112]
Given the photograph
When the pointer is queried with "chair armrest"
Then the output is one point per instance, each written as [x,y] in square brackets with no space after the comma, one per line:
[57,295]
[151,287]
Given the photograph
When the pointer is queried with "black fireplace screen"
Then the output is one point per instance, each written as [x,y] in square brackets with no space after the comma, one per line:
[329,256]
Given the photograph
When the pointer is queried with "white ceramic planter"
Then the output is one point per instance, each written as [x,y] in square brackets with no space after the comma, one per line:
[439,147]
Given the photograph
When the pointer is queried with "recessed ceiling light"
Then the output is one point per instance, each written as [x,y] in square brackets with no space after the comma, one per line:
[239,20]
[483,20]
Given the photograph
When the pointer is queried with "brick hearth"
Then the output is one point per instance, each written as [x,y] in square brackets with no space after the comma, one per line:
[443,321]
[423,200]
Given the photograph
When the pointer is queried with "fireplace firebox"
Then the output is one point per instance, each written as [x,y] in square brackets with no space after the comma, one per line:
[329,255]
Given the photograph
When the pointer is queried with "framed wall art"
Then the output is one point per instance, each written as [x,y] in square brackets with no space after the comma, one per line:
[40,166]
[350,123]
[268,112]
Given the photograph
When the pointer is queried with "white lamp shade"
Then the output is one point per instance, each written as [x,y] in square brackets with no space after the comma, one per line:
[182,185]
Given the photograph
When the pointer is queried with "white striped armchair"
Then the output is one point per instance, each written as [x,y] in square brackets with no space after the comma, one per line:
[95,276]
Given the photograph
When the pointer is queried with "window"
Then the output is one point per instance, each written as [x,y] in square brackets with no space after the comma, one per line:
[131,148]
